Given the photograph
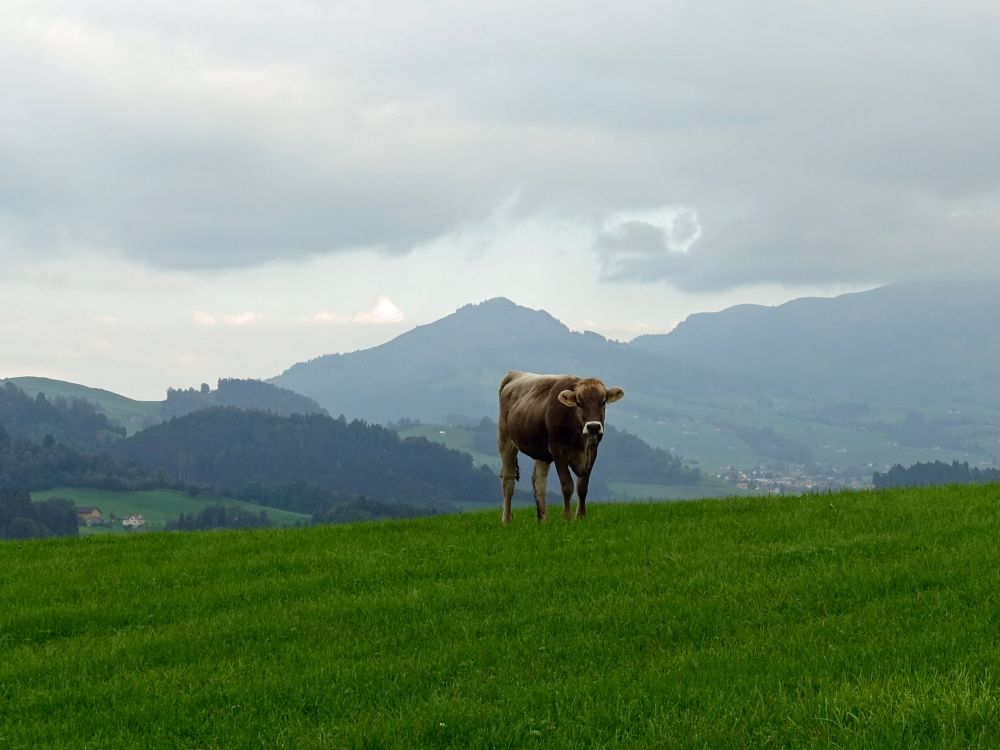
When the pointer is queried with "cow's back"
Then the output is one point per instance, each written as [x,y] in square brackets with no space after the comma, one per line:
[525,399]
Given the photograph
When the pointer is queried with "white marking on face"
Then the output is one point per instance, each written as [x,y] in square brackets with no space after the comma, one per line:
[593,428]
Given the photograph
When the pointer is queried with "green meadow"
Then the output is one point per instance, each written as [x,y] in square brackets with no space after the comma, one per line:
[160,506]
[845,620]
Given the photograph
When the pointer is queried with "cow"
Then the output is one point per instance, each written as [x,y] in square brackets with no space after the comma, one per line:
[552,419]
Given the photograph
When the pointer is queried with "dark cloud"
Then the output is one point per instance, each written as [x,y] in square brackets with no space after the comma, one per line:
[796,143]
[632,237]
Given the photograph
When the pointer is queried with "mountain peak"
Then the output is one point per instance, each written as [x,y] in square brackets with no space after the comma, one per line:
[496,316]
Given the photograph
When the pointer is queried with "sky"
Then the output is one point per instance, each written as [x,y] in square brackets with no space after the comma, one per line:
[197,191]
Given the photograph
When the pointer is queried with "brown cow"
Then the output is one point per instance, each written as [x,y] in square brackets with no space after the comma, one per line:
[551,418]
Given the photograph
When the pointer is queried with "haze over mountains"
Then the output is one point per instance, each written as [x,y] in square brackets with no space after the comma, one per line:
[828,390]
[454,365]
[902,373]
[910,345]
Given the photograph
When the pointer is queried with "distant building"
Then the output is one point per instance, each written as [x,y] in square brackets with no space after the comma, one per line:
[134,521]
[89,515]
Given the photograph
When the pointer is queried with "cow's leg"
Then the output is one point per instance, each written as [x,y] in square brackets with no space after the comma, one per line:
[509,474]
[566,484]
[582,484]
[539,483]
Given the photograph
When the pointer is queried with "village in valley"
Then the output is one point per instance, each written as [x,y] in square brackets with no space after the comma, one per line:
[786,479]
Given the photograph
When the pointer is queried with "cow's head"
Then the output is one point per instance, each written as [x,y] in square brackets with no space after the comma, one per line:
[589,399]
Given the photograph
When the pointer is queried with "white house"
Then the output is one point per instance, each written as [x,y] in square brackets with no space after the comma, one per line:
[134,521]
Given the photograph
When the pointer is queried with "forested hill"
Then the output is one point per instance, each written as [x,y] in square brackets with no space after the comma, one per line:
[307,463]
[74,422]
[33,466]
[127,414]
[242,394]
[934,473]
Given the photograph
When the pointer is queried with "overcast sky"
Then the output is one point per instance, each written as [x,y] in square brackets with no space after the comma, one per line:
[194,191]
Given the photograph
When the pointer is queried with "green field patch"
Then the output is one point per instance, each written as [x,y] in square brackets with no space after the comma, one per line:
[160,506]
[456,438]
[863,619]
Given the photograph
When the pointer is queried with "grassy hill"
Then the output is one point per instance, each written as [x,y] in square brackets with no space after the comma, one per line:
[138,415]
[133,415]
[160,506]
[855,620]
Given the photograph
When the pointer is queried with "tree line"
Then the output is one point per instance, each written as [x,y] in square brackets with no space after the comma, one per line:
[935,473]
[20,518]
[240,393]
[73,422]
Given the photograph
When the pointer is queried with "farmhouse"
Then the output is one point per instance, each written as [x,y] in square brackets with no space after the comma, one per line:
[88,515]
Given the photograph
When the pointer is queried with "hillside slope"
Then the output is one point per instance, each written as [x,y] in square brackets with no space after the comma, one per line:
[847,620]
[74,422]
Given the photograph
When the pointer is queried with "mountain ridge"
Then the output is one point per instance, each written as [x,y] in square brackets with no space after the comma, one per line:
[851,383]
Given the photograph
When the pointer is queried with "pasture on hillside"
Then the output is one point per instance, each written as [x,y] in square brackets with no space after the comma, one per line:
[161,506]
[855,620]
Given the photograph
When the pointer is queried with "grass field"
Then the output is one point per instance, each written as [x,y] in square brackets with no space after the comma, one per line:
[160,506]
[847,620]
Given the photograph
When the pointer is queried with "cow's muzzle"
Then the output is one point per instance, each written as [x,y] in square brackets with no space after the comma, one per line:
[593,430]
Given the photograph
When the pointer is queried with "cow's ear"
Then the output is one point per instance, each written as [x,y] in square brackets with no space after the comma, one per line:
[615,394]
[567,398]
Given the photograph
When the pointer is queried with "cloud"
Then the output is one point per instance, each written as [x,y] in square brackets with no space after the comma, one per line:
[629,238]
[241,319]
[325,316]
[204,319]
[231,319]
[383,310]
[809,143]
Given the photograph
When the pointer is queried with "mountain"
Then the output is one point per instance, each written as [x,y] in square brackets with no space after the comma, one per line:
[454,365]
[816,392]
[906,344]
